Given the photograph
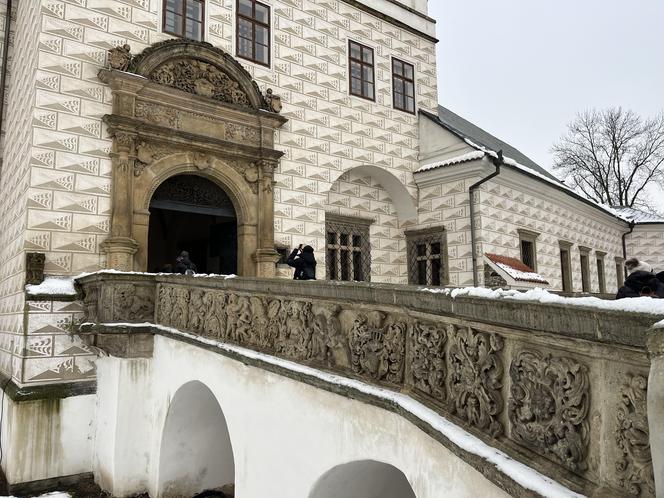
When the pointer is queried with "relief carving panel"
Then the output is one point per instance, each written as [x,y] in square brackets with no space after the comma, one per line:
[427,359]
[548,408]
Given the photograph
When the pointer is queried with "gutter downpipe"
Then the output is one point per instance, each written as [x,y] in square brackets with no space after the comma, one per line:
[3,73]
[632,224]
[497,162]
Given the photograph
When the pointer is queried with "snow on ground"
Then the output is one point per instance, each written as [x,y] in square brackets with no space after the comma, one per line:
[538,295]
[56,494]
[53,285]
[526,476]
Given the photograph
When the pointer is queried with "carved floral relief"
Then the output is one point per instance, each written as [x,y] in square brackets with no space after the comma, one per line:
[635,470]
[548,407]
[476,373]
[427,359]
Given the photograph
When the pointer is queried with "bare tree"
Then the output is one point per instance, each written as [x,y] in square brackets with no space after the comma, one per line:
[612,156]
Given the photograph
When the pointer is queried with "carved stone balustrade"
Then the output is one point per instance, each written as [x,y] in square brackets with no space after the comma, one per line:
[560,388]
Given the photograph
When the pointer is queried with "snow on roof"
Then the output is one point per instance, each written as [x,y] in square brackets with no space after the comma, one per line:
[635,215]
[470,156]
[516,269]
[61,286]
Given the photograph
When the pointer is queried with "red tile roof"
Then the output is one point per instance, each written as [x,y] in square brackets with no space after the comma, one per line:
[516,269]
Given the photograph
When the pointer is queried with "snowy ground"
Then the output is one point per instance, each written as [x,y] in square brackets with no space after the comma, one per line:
[56,494]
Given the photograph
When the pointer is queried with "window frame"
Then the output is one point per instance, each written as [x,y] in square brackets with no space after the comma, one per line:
[254,22]
[183,24]
[566,266]
[427,236]
[620,271]
[584,255]
[530,237]
[601,271]
[404,80]
[351,226]
[351,59]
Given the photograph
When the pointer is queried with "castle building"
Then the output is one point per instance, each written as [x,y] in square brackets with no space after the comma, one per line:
[239,129]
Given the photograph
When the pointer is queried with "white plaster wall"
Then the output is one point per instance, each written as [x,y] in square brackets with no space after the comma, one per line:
[47,438]
[647,244]
[286,434]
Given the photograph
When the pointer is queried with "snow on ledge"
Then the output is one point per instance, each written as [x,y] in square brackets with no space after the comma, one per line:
[538,295]
[470,156]
[112,271]
[56,494]
[526,476]
[61,286]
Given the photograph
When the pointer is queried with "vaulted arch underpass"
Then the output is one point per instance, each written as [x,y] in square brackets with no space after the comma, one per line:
[284,389]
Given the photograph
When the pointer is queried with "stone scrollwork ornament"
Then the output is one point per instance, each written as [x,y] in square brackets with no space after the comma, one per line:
[476,372]
[119,57]
[548,408]
[427,362]
[635,471]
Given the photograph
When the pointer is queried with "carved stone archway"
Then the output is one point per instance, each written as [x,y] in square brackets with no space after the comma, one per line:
[184,107]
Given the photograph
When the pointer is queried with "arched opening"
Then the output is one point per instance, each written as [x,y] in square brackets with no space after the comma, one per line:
[196,452]
[191,213]
[363,479]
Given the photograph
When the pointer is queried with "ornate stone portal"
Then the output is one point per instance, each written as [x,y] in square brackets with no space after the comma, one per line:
[184,107]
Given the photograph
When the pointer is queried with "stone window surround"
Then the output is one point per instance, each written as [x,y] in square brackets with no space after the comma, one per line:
[356,226]
[620,270]
[601,271]
[413,236]
[567,281]
[585,268]
[183,33]
[528,236]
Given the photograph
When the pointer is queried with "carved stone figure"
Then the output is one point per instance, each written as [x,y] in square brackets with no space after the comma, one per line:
[119,57]
[273,101]
[276,322]
[259,322]
[130,306]
[427,362]
[90,302]
[197,310]
[325,326]
[200,78]
[635,471]
[180,311]
[476,372]
[548,407]
[165,305]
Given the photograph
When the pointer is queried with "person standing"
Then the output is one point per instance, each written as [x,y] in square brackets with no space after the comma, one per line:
[184,265]
[304,262]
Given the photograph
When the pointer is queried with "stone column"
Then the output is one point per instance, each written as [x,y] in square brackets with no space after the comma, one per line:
[655,342]
[266,256]
[120,247]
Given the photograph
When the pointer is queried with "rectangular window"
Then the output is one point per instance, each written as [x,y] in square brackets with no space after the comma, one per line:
[584,259]
[361,70]
[184,18]
[253,31]
[620,272]
[600,274]
[427,257]
[528,247]
[403,86]
[348,253]
[566,266]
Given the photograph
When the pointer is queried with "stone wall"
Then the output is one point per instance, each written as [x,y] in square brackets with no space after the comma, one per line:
[560,387]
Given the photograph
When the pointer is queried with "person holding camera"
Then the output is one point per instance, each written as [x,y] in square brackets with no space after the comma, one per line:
[304,262]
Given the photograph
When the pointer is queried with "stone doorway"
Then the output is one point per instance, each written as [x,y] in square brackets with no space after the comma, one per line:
[191,213]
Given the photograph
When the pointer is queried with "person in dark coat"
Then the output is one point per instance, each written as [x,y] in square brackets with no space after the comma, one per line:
[184,265]
[304,262]
[640,281]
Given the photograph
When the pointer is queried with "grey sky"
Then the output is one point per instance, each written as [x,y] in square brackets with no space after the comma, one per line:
[521,69]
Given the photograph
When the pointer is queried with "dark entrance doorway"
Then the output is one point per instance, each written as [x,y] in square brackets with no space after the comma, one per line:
[191,213]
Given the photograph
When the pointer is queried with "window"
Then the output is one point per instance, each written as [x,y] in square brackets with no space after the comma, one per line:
[601,280]
[184,18]
[620,271]
[427,257]
[566,266]
[253,31]
[348,255]
[528,247]
[403,86]
[585,268]
[361,69]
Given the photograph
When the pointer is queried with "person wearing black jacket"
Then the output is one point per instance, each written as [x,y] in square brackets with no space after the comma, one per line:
[184,265]
[302,259]
[641,283]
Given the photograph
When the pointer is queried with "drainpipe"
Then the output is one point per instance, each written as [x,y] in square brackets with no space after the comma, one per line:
[497,162]
[3,73]
[624,245]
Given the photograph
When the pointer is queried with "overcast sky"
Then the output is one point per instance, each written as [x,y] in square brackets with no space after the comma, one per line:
[522,69]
